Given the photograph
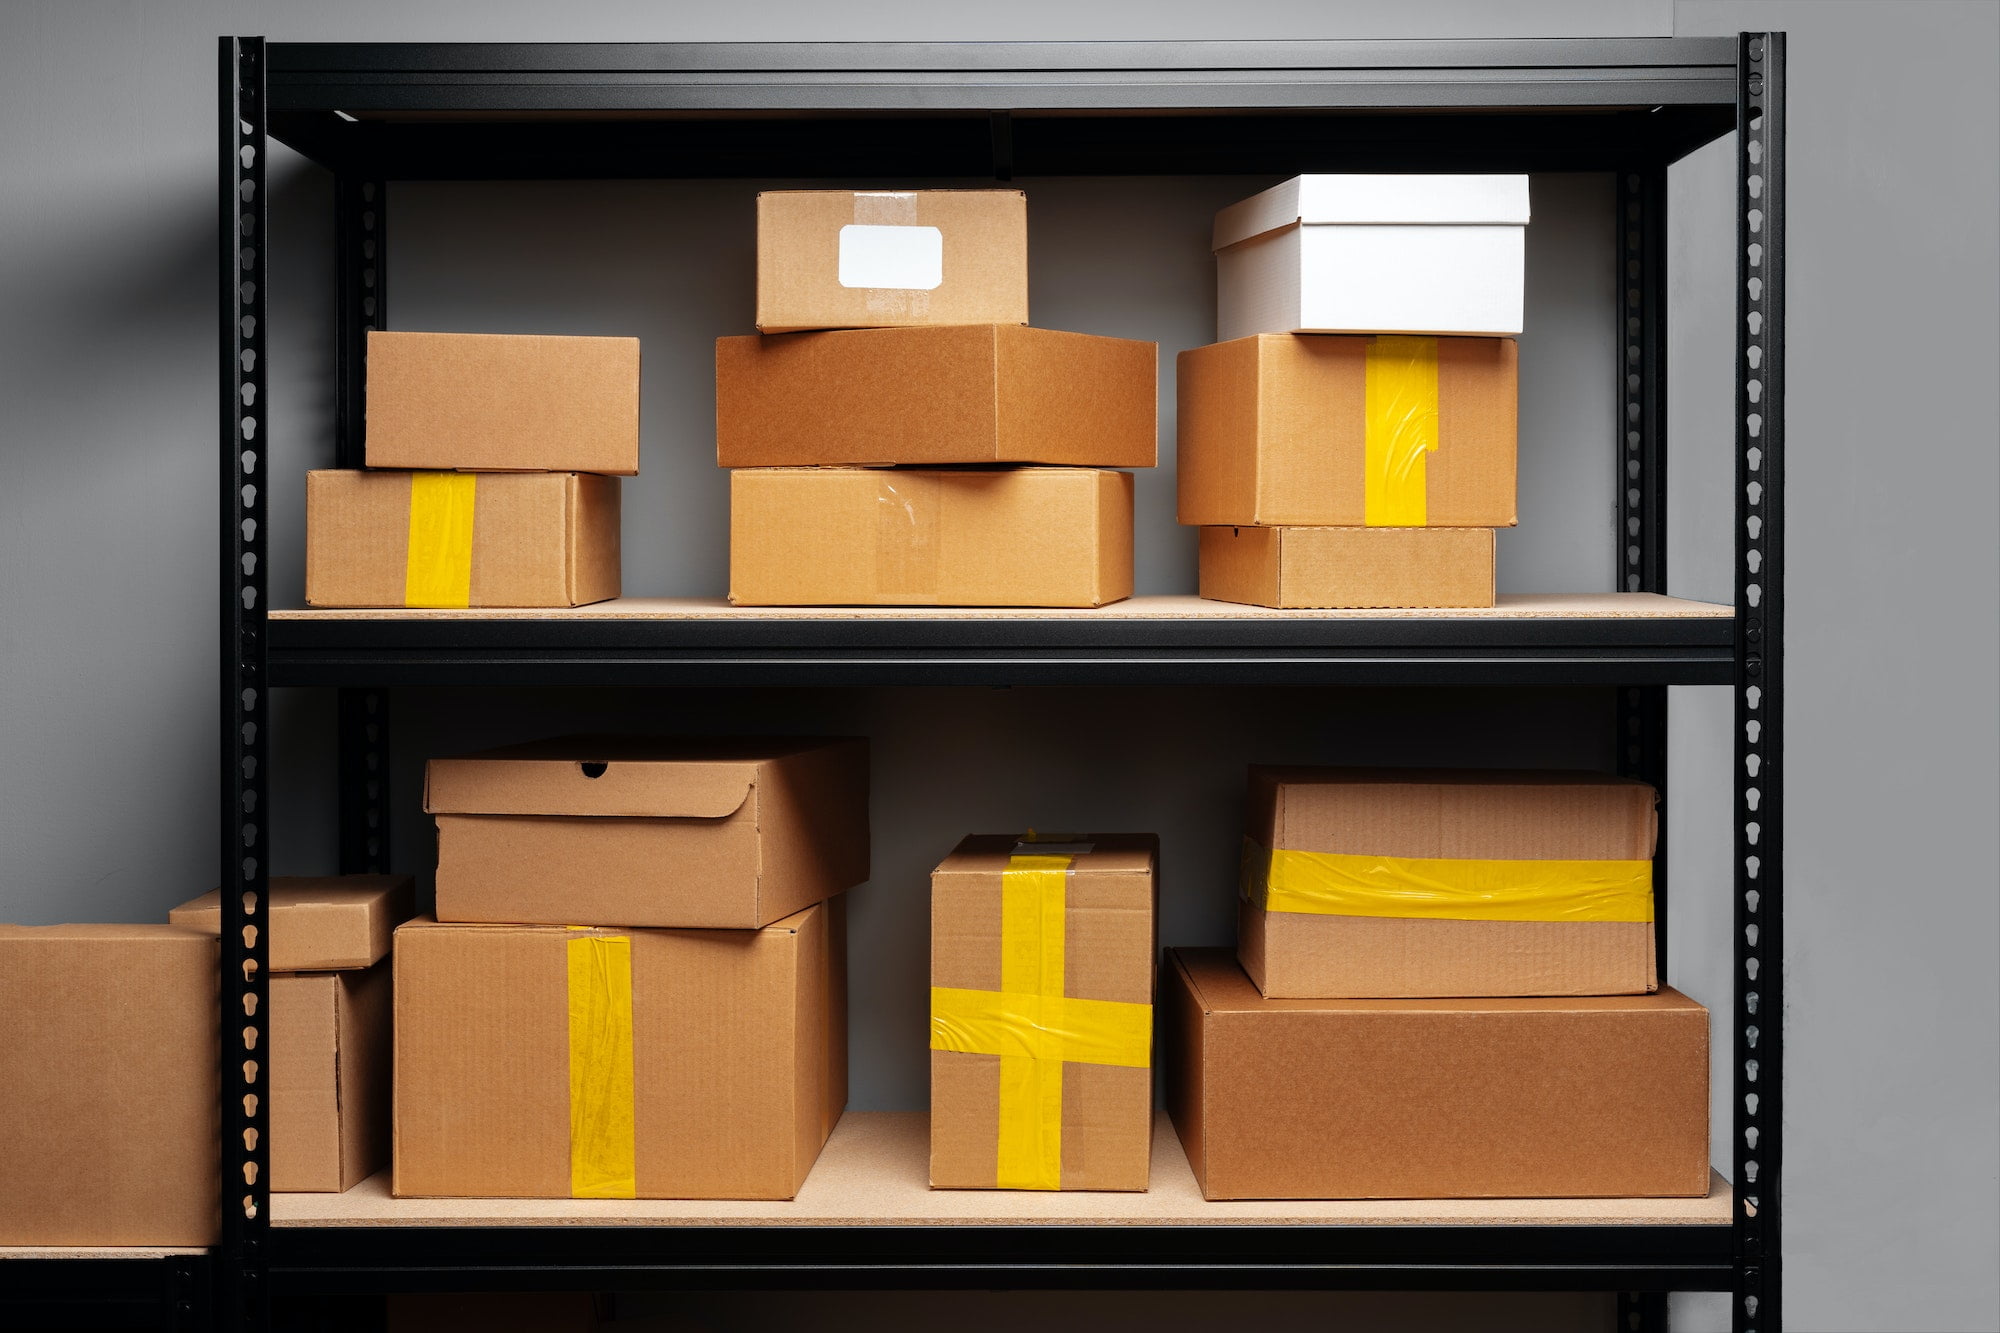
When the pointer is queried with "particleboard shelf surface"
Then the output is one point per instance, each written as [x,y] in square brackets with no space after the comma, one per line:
[94,1252]
[875,1172]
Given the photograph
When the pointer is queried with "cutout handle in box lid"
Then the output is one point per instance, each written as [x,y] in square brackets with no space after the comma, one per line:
[1377,200]
[615,776]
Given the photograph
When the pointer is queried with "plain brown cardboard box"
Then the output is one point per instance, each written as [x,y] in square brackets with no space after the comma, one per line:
[981,393]
[503,402]
[329,1077]
[1108,950]
[493,1312]
[954,257]
[738,1050]
[319,923]
[1593,1097]
[891,537]
[538,539]
[108,1098]
[1273,432]
[1472,814]
[649,831]
[1348,567]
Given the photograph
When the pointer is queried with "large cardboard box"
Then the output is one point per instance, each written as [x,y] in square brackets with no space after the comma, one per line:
[1042,955]
[1040,536]
[1348,567]
[1374,254]
[445,539]
[649,831]
[319,923]
[1594,1097]
[1443,882]
[1348,432]
[860,259]
[980,393]
[554,1062]
[503,402]
[108,1100]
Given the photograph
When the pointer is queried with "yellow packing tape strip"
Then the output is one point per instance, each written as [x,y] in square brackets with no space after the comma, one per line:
[602,1158]
[1401,430]
[1042,1027]
[1335,884]
[439,568]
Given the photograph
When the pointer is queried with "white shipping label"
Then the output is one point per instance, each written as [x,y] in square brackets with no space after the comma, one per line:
[905,258]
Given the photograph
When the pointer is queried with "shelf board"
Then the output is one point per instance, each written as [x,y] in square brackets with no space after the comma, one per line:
[14,1252]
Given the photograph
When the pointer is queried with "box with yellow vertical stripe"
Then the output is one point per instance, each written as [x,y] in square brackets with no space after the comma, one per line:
[1041,1018]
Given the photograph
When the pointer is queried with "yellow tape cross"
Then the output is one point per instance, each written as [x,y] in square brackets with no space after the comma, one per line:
[1441,888]
[1401,431]
[438,569]
[602,1156]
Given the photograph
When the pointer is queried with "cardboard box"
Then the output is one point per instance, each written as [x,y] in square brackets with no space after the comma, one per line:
[1348,432]
[486,402]
[1374,254]
[551,1062]
[1594,1097]
[1042,1012]
[493,1312]
[861,259]
[444,539]
[881,537]
[329,1077]
[979,393]
[1447,882]
[649,831]
[108,1086]
[1348,567]
[319,923]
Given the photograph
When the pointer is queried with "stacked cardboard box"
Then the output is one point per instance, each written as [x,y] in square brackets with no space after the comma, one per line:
[899,436]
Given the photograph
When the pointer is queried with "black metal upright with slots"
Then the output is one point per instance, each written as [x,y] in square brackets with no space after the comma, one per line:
[377,114]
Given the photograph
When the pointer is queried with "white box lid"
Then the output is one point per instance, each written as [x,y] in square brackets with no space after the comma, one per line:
[1399,200]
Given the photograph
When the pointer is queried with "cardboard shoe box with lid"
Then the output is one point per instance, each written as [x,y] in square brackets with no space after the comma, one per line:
[1423,882]
[1348,567]
[1042,961]
[557,1062]
[649,831]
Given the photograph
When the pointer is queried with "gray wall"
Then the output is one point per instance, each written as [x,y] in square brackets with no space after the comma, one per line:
[106,549]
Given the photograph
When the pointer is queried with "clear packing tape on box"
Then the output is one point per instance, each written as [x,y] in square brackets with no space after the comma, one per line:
[1446,889]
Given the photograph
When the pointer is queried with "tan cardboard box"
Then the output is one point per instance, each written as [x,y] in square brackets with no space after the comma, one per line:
[108,1098]
[649,831]
[1348,567]
[329,1077]
[862,259]
[319,923]
[1037,536]
[1443,882]
[487,402]
[549,1062]
[445,539]
[1042,1012]
[1593,1097]
[1323,431]
[980,393]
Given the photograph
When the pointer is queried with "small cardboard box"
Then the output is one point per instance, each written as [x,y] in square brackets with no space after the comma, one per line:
[1374,254]
[863,259]
[1348,567]
[108,1092]
[978,393]
[1447,882]
[1593,1097]
[503,402]
[445,539]
[648,831]
[555,1062]
[1035,536]
[329,1078]
[1042,1012]
[1348,432]
[319,923]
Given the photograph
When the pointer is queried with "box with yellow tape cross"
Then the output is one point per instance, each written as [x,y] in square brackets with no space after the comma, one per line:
[1042,972]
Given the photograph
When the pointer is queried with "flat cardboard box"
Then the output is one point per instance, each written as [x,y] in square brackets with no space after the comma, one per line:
[649,831]
[108,1092]
[1038,536]
[1374,254]
[979,393]
[503,402]
[1281,429]
[1454,814]
[692,1064]
[319,923]
[485,539]
[864,259]
[1593,1097]
[493,1312]
[329,1078]
[1348,567]
[980,922]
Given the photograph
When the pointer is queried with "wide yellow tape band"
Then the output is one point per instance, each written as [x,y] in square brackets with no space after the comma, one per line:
[601,1153]
[1335,884]
[1401,430]
[438,571]
[1042,1027]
